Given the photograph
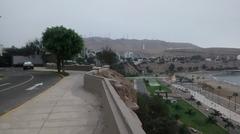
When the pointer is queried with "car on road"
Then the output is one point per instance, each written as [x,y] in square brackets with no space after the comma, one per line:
[28,65]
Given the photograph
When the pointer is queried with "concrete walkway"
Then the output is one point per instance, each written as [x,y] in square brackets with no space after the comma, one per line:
[65,108]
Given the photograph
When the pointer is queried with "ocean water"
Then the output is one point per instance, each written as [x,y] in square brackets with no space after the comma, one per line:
[230,77]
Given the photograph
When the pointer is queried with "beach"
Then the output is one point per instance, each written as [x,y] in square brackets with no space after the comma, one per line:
[226,88]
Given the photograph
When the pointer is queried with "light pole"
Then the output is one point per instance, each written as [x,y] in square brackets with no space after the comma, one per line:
[229,97]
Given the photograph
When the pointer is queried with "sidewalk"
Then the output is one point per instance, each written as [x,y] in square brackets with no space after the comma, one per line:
[65,108]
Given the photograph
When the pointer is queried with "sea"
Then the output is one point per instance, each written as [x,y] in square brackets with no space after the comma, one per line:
[232,77]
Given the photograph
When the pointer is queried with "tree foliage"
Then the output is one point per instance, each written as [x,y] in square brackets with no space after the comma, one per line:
[31,48]
[107,56]
[155,115]
[63,43]
[171,67]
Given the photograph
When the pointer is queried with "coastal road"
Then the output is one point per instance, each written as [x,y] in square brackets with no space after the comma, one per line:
[18,86]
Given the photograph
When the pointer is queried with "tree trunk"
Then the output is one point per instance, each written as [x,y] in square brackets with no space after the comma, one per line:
[58,64]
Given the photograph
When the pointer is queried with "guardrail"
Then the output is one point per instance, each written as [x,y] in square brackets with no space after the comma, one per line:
[118,118]
[73,67]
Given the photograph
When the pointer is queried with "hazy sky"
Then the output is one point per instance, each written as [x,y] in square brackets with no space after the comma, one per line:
[207,23]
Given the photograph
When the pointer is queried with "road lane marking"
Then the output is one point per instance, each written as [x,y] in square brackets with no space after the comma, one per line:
[4,84]
[20,84]
[33,87]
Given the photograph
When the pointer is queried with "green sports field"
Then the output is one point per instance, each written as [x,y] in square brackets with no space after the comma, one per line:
[153,85]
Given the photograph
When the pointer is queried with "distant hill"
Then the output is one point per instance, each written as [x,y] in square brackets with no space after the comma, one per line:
[205,52]
[142,47]
[156,47]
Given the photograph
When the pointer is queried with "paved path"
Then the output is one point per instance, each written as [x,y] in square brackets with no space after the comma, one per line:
[65,108]
[140,86]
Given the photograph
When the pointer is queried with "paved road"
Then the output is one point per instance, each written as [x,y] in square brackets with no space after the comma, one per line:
[65,108]
[140,85]
[18,86]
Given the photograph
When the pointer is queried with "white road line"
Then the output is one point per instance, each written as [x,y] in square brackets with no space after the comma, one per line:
[4,84]
[20,84]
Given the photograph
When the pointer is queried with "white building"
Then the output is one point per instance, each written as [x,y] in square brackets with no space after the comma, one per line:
[128,55]
[208,59]
[238,57]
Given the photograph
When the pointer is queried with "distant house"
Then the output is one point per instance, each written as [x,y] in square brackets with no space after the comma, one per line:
[208,59]
[238,57]
[128,54]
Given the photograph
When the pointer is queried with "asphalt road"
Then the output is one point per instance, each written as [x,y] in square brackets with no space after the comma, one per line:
[140,85]
[18,86]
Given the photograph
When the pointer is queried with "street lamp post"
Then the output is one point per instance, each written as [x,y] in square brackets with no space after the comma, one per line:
[229,97]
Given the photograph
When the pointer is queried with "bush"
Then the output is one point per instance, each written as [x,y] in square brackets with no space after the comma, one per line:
[190,112]
[154,114]
[211,119]
[198,103]
[177,107]
[184,130]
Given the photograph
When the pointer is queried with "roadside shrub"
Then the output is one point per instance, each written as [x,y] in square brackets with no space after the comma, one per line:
[198,103]
[190,112]
[177,107]
[211,119]
[154,114]
[177,116]
[184,130]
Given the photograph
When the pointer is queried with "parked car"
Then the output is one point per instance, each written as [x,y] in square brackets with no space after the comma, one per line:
[28,65]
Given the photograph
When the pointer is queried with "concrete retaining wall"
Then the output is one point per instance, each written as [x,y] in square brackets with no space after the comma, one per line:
[72,67]
[118,118]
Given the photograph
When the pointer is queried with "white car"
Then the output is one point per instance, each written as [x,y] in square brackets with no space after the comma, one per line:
[28,65]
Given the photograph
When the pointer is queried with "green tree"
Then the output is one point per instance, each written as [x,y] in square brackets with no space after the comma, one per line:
[33,47]
[63,43]
[107,56]
[171,68]
[211,119]
[154,114]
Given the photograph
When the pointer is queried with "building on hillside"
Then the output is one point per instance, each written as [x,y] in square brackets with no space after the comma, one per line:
[238,57]
[128,54]
[208,59]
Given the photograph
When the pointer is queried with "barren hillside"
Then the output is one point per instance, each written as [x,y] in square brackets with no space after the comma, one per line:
[156,47]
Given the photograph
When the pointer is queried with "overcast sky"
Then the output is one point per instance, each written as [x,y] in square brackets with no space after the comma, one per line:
[206,23]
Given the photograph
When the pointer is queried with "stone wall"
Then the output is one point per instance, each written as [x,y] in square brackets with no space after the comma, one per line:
[118,118]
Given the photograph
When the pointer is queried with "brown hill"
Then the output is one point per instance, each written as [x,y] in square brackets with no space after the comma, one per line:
[156,47]
[145,47]
[205,52]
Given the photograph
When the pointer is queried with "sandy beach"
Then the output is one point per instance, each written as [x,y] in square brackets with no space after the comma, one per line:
[227,89]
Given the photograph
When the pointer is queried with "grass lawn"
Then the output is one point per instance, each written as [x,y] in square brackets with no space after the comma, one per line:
[197,120]
[156,85]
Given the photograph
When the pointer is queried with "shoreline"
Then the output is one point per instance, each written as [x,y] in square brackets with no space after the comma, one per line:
[227,88]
